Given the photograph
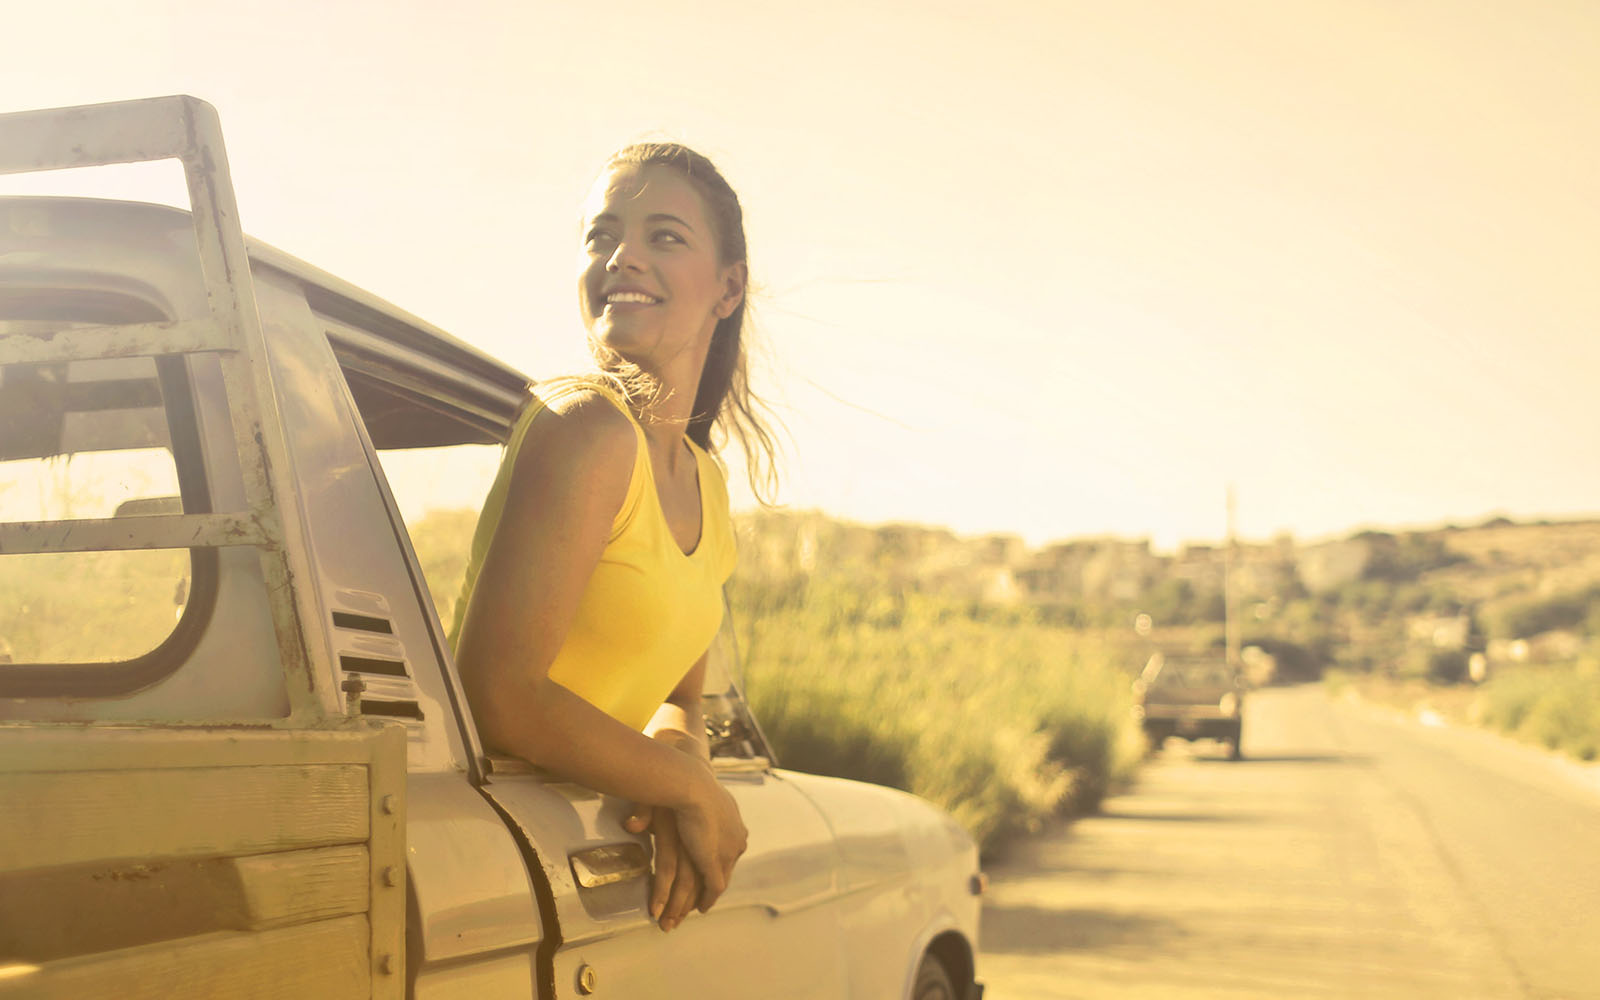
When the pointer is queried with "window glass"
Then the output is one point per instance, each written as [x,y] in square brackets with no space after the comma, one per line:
[439,492]
[87,440]
[89,607]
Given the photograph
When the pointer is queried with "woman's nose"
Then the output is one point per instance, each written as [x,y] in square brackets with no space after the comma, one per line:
[622,258]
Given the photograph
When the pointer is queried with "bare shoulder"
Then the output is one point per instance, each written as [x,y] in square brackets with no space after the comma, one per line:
[581,436]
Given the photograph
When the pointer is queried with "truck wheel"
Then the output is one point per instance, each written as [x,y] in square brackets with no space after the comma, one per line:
[932,982]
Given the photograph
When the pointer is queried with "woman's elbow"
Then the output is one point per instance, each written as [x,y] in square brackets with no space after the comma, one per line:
[505,708]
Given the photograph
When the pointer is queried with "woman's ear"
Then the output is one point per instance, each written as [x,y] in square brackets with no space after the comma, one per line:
[733,286]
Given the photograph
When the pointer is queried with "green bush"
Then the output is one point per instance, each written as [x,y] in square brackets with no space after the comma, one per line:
[1570,610]
[1001,720]
[1556,707]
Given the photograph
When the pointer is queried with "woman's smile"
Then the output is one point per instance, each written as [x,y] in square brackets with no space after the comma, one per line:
[629,300]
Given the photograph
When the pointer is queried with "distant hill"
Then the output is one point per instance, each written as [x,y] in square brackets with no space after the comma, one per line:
[1362,599]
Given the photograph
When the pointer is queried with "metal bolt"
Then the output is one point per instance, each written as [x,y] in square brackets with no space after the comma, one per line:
[586,979]
[352,688]
[391,875]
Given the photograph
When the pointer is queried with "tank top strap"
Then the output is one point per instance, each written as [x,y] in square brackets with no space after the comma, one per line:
[547,391]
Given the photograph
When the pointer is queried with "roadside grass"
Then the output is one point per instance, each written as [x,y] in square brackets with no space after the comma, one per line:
[1553,706]
[1556,707]
[1001,720]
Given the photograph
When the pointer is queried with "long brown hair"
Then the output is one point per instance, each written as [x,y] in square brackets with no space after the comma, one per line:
[723,402]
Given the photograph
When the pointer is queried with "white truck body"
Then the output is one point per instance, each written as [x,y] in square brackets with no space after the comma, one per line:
[235,759]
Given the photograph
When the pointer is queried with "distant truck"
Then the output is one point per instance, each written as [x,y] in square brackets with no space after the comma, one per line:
[235,758]
[1192,697]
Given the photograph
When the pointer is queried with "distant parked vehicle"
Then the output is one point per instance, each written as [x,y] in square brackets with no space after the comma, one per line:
[1193,697]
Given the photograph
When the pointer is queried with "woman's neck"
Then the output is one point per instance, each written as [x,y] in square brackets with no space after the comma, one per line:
[665,417]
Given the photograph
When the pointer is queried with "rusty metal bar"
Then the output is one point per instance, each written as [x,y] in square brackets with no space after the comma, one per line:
[93,342]
[187,129]
[258,427]
[171,531]
[91,135]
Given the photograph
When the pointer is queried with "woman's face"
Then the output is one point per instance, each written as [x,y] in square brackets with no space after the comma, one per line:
[651,287]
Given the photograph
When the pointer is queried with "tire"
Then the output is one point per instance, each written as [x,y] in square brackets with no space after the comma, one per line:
[933,981]
[1153,741]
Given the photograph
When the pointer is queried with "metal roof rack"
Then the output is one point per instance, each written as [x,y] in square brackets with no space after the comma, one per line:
[186,129]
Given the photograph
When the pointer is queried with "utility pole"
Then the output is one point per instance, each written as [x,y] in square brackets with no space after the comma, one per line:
[1230,600]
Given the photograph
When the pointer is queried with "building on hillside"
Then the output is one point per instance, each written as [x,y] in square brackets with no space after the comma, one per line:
[1121,570]
[1333,564]
[1094,569]
[1054,574]
[1266,571]
[1440,631]
[998,585]
[1200,565]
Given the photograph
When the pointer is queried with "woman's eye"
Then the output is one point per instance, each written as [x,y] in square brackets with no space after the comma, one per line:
[668,236]
[597,236]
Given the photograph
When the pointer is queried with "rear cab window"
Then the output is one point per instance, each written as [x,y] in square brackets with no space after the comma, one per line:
[95,443]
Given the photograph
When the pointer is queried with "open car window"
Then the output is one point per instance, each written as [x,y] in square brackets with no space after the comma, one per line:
[439,468]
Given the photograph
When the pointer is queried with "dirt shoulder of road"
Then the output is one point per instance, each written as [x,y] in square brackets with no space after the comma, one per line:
[1460,707]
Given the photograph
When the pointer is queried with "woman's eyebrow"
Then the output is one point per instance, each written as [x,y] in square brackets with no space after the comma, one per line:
[655,217]
[664,217]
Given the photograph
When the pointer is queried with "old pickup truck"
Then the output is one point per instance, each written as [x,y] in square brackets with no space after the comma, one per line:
[235,759]
[1191,697]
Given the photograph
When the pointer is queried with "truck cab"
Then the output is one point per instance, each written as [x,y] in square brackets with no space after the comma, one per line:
[234,751]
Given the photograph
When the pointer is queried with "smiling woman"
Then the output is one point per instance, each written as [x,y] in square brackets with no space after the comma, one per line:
[594,584]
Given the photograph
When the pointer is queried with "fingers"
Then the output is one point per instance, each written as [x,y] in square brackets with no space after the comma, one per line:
[713,837]
[669,861]
[638,821]
[685,889]
[714,885]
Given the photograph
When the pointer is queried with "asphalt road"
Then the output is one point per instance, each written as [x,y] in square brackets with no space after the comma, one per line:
[1354,852]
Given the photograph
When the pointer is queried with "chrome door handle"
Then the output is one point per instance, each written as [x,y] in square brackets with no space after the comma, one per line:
[607,865]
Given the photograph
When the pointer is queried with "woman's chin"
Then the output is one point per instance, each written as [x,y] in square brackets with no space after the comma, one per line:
[618,342]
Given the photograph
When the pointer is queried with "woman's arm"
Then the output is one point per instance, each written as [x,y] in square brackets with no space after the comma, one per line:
[569,481]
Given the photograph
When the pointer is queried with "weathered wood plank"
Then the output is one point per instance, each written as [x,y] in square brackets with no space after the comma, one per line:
[327,960]
[57,913]
[67,818]
[71,747]
[294,887]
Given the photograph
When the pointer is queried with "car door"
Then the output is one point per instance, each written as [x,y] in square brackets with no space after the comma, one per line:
[773,934]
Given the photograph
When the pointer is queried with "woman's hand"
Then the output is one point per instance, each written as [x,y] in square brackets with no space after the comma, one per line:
[713,836]
[696,847]
[675,884]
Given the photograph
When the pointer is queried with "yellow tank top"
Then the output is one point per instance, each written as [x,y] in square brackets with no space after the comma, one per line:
[650,610]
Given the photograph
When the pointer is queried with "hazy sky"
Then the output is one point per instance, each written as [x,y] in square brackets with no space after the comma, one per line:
[1056,268]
